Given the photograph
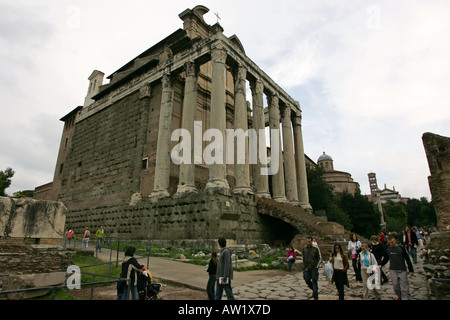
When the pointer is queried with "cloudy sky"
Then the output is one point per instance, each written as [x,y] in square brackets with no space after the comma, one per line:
[371,76]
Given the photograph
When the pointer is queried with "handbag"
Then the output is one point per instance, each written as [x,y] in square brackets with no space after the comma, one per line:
[328,270]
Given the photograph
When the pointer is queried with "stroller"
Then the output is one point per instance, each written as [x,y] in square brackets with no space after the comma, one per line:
[146,289]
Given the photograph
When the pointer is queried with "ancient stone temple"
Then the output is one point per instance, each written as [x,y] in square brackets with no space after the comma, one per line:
[437,149]
[170,148]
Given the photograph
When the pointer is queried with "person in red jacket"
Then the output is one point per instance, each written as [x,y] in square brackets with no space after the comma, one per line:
[291,256]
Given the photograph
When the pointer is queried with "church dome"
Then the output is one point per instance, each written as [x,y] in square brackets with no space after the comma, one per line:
[324,157]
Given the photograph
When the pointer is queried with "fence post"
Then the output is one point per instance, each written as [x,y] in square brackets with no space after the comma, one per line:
[118,249]
[435,288]
[92,288]
[110,259]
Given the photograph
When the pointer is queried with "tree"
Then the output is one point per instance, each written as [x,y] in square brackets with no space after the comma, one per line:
[5,180]
[421,212]
[413,209]
[24,193]
[320,192]
[364,218]
[336,214]
[396,215]
[427,213]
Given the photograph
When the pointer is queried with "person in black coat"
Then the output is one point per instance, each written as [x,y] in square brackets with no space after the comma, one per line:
[411,243]
[378,250]
[130,269]
[212,269]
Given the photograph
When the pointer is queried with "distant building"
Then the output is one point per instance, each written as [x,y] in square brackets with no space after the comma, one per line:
[340,180]
[385,194]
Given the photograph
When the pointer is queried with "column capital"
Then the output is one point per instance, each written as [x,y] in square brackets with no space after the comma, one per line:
[287,111]
[166,80]
[239,73]
[257,87]
[297,119]
[191,68]
[274,100]
[218,53]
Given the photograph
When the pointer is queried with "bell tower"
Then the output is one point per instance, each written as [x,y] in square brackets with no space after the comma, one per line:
[95,81]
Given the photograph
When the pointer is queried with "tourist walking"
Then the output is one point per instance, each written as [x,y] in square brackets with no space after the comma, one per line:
[368,260]
[419,237]
[403,238]
[311,260]
[130,269]
[85,241]
[354,247]
[212,270]
[397,256]
[224,273]
[100,234]
[340,264]
[69,236]
[412,243]
[291,256]
[378,250]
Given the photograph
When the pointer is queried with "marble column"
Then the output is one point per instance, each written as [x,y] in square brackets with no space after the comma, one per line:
[288,155]
[302,182]
[241,170]
[278,186]
[163,148]
[260,181]
[186,184]
[217,183]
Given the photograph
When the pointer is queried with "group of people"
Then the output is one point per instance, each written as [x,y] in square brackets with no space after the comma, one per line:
[100,235]
[369,259]
[220,274]
[367,262]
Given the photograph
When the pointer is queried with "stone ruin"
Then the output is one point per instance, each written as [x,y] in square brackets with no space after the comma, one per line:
[437,255]
[30,232]
[115,166]
[437,149]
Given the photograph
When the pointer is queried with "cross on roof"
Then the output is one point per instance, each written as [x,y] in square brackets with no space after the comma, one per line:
[217,15]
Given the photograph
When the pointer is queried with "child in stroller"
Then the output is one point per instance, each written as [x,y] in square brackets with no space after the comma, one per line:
[146,289]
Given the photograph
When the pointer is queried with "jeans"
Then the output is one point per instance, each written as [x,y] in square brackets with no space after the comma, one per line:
[413,253]
[99,244]
[210,286]
[227,288]
[291,262]
[85,243]
[311,277]
[126,293]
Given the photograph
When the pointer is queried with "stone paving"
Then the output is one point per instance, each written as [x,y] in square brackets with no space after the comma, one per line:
[293,287]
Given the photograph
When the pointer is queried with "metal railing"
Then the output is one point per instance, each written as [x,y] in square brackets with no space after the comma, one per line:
[107,244]
[54,288]
[435,286]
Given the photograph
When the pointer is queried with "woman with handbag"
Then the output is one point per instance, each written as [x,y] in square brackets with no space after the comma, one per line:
[340,267]
[354,247]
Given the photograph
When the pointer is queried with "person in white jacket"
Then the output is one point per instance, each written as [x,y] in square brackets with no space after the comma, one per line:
[369,272]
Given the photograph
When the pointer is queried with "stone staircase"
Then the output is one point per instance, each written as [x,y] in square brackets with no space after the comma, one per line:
[306,223]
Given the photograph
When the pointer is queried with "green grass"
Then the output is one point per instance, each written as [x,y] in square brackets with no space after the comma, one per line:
[99,268]
[82,260]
